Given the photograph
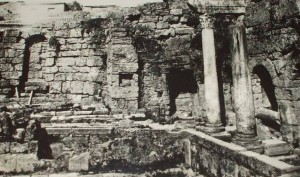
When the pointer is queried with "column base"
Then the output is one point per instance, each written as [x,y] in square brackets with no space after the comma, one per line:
[211,128]
[250,142]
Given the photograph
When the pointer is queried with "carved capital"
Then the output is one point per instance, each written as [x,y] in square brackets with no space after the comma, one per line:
[239,21]
[207,21]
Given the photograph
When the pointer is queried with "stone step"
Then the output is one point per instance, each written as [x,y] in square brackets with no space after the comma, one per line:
[92,118]
[87,130]
[293,159]
[274,147]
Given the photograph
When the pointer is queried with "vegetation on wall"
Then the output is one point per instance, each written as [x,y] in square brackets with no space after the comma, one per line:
[97,28]
[75,6]
[54,43]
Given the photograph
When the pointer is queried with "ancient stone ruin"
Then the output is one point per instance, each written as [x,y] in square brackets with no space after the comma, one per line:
[172,88]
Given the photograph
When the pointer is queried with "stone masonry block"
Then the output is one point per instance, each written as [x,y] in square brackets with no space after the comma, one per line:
[75,33]
[66,61]
[50,70]
[77,86]
[162,25]
[81,61]
[80,77]
[48,77]
[89,88]
[66,87]
[176,11]
[49,62]
[79,162]
[68,69]
[94,61]
[70,53]
[55,87]
[60,77]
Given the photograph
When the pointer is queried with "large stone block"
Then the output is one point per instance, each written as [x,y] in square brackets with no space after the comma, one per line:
[146,18]
[66,61]
[80,77]
[5,67]
[273,147]
[4,147]
[57,149]
[50,70]
[84,69]
[94,61]
[55,87]
[124,92]
[68,69]
[89,88]
[17,148]
[70,53]
[79,162]
[76,33]
[60,77]
[287,113]
[162,25]
[77,86]
[176,11]
[48,77]
[125,68]
[19,163]
[81,61]
[49,62]
[66,87]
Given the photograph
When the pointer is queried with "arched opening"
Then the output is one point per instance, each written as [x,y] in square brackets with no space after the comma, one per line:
[29,42]
[180,83]
[267,87]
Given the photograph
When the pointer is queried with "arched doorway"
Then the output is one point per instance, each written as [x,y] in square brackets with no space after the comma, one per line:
[31,59]
[267,87]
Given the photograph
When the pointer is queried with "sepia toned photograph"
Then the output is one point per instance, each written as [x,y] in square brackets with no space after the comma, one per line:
[150,88]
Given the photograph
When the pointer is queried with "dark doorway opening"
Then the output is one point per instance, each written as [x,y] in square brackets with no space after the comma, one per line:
[267,85]
[180,81]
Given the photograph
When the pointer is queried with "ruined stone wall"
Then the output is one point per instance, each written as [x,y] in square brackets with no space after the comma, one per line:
[273,43]
[72,70]
[11,54]
[153,62]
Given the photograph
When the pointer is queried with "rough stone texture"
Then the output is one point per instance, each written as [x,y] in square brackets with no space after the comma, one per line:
[273,147]
[272,44]
[19,163]
[79,162]
[127,67]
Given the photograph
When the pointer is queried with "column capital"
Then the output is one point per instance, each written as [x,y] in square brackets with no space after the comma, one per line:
[207,21]
[239,21]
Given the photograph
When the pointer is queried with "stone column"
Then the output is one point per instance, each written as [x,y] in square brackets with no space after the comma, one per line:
[214,124]
[242,88]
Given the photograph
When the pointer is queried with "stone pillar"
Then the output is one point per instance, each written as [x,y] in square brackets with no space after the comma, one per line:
[242,88]
[214,124]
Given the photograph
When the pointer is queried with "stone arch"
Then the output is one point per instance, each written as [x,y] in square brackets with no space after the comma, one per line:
[267,86]
[29,42]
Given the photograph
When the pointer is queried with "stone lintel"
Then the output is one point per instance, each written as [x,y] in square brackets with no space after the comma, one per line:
[219,6]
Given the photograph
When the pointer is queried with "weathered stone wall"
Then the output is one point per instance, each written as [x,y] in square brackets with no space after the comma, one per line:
[155,44]
[72,72]
[140,151]
[11,55]
[273,42]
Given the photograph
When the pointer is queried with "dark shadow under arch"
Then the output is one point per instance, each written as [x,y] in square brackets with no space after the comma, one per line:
[266,83]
